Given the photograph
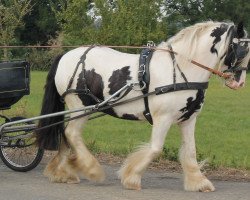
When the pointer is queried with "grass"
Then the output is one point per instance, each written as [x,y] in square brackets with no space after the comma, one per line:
[222,131]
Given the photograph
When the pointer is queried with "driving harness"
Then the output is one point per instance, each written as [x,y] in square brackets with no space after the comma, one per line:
[143,79]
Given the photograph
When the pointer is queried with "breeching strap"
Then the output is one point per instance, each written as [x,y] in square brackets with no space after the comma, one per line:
[85,90]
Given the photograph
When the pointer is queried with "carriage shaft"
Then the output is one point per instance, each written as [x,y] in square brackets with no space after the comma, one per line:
[6,126]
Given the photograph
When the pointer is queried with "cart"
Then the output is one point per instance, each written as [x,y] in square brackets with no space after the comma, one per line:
[17,145]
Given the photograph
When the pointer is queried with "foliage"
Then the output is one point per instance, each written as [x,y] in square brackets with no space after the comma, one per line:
[134,22]
[40,23]
[117,22]
[131,22]
[11,18]
[41,59]
[182,13]
[107,22]
[76,25]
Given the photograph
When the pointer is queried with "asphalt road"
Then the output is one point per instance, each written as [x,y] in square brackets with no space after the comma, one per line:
[156,185]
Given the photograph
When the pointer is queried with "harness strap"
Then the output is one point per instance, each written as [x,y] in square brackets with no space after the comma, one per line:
[178,67]
[144,79]
[181,86]
[80,91]
[128,90]
[86,90]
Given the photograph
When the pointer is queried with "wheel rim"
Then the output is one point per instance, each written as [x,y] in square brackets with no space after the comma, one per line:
[20,156]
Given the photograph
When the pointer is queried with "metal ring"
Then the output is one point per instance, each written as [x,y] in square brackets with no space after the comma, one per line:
[140,88]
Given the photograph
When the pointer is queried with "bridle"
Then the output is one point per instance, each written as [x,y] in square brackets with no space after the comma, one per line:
[237,54]
[237,50]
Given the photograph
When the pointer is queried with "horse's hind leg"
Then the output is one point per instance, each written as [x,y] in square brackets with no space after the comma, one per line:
[134,166]
[74,158]
[194,180]
[81,160]
[58,169]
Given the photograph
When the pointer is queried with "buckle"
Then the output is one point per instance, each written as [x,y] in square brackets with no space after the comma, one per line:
[143,86]
[142,68]
[141,71]
[150,44]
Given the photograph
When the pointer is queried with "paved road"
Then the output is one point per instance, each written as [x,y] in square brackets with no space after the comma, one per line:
[156,185]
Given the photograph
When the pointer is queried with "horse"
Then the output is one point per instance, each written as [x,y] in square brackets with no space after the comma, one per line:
[101,71]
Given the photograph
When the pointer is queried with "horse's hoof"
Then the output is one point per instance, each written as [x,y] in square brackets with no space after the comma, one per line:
[69,180]
[73,180]
[207,186]
[203,185]
[62,176]
[96,174]
[132,182]
[131,186]
[100,177]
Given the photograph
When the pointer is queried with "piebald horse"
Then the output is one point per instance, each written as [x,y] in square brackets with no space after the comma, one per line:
[104,71]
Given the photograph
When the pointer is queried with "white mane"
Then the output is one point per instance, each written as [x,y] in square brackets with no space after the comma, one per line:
[190,33]
[189,37]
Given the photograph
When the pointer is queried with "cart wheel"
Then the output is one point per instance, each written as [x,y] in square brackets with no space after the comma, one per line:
[21,155]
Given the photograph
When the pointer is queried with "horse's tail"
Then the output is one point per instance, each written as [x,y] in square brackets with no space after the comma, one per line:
[50,138]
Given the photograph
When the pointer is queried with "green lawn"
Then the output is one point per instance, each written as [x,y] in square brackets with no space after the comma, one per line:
[222,133]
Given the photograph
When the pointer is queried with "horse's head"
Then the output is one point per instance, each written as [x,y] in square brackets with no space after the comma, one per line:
[237,57]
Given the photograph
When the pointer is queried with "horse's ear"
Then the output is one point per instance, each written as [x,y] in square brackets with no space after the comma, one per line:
[240,30]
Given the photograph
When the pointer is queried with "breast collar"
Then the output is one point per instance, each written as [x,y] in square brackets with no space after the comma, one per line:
[144,79]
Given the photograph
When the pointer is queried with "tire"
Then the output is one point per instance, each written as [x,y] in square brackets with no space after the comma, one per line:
[21,155]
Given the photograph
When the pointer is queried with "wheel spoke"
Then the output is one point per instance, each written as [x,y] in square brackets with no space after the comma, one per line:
[20,154]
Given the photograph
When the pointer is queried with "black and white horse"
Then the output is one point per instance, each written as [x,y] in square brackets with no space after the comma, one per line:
[105,71]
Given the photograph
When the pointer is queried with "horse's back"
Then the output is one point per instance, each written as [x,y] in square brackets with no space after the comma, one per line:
[103,61]
[98,56]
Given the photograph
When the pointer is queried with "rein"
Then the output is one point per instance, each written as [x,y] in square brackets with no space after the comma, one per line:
[213,71]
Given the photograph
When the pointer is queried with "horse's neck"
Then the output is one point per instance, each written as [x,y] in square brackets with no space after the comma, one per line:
[200,53]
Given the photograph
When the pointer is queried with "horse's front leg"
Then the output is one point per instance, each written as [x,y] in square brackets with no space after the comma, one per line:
[194,180]
[137,162]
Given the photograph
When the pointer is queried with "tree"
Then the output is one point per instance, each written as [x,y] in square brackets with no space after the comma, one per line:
[40,24]
[117,22]
[75,23]
[131,22]
[182,13]
[11,18]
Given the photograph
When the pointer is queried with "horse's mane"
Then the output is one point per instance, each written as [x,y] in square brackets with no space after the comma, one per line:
[189,33]
[189,37]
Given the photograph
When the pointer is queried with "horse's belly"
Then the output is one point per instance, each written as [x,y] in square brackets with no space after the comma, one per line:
[131,111]
[181,105]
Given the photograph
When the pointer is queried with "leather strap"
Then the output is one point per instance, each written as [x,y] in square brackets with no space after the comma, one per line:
[85,90]
[175,64]
[181,86]
[144,79]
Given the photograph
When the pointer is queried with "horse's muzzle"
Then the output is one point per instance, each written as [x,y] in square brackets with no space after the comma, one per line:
[232,84]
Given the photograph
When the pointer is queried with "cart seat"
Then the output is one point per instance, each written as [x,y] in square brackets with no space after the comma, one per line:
[14,82]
